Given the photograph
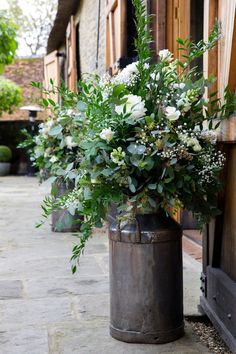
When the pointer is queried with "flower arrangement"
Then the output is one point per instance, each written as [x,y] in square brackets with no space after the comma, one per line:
[53,149]
[150,138]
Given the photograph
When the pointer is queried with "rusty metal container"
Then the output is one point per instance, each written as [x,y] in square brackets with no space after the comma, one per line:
[62,220]
[146,280]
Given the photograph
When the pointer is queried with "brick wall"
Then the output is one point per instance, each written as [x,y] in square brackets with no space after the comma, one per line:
[87,17]
[22,72]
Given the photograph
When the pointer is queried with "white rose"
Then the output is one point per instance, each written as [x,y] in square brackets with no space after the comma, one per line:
[133,105]
[69,142]
[171,113]
[165,54]
[132,68]
[107,134]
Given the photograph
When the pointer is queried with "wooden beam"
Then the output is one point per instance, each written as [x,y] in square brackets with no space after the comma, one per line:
[210,59]
[159,30]
[227,17]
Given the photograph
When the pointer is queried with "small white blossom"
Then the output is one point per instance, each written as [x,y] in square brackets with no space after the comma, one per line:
[165,54]
[180,86]
[37,140]
[45,128]
[47,152]
[190,142]
[69,142]
[106,134]
[38,151]
[127,76]
[53,159]
[209,135]
[133,105]
[172,113]
[183,103]
[69,112]
[117,156]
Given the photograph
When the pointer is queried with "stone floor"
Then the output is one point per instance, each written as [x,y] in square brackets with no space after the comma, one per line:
[44,309]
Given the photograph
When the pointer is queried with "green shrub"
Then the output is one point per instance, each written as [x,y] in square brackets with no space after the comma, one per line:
[10,95]
[5,153]
[8,43]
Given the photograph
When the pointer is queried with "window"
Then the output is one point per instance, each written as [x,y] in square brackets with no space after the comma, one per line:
[52,72]
[120,34]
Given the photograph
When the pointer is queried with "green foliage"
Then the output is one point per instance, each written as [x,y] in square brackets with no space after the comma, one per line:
[8,43]
[10,95]
[5,153]
[144,39]
[191,50]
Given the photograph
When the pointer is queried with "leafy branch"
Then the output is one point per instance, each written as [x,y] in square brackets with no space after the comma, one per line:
[193,50]
[144,38]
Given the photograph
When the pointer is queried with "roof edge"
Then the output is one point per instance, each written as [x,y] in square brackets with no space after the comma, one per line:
[57,36]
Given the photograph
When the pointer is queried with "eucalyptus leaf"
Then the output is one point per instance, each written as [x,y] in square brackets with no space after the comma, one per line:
[136,149]
[70,166]
[55,130]
[160,188]
[51,179]
[82,106]
[72,210]
[152,186]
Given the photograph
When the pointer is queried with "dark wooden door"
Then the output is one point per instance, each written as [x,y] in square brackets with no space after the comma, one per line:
[219,258]
[218,298]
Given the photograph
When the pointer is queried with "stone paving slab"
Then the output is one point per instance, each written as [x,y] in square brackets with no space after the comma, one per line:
[92,337]
[44,309]
[24,341]
[11,289]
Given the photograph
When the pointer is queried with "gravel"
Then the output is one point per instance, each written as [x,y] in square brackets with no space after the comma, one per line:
[209,336]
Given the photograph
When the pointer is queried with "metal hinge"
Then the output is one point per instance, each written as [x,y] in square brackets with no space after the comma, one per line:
[203,286]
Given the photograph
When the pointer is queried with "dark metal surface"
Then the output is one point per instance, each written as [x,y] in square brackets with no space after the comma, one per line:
[225,334]
[221,304]
[146,280]
[62,220]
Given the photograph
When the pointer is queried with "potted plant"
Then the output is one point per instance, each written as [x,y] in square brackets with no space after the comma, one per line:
[5,157]
[149,145]
[55,153]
